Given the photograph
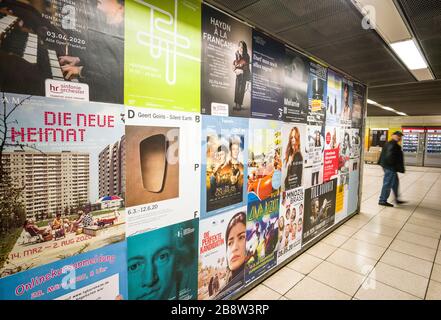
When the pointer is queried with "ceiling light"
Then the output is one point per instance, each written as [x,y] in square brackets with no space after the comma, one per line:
[387,108]
[409,54]
[401,113]
[371,102]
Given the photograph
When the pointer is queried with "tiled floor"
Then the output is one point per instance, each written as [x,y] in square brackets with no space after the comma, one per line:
[381,253]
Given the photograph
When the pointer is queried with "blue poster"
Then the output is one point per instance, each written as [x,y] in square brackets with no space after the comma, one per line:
[268,77]
[163,264]
[224,169]
[95,275]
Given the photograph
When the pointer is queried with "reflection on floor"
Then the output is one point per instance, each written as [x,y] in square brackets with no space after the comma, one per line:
[382,253]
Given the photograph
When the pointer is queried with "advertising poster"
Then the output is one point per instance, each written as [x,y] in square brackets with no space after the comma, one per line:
[264,159]
[334,99]
[343,174]
[63,49]
[162,54]
[163,176]
[100,274]
[262,237]
[222,254]
[319,209]
[62,179]
[224,163]
[162,264]
[359,93]
[293,150]
[332,152]
[226,65]
[268,77]
[354,180]
[317,94]
[290,223]
[355,143]
[295,102]
[314,156]
[347,103]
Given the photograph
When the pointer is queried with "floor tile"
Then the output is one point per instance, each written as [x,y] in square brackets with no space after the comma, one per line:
[434,291]
[321,250]
[345,231]
[283,298]
[400,279]
[337,277]
[418,239]
[438,257]
[373,238]
[413,250]
[436,273]
[381,229]
[283,280]
[310,289]
[335,239]
[261,292]
[305,263]
[352,261]
[375,290]
[408,263]
[428,232]
[364,248]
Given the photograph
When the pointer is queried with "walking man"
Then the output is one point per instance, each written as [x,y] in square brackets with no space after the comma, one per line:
[392,161]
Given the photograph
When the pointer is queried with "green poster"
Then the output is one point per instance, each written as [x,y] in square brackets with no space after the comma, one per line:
[162,54]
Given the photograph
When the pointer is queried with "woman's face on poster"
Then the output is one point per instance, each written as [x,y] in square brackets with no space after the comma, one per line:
[235,150]
[293,139]
[240,48]
[236,246]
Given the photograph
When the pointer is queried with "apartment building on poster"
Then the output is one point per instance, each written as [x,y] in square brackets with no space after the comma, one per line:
[53,181]
[112,169]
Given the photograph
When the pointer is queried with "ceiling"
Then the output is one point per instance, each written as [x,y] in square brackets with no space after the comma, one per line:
[331,30]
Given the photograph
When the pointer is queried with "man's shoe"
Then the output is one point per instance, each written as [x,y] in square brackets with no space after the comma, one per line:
[400,202]
[385,204]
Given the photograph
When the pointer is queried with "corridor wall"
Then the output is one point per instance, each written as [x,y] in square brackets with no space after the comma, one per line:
[164,150]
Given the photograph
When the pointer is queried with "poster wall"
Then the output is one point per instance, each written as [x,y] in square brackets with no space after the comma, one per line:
[268,77]
[226,65]
[224,163]
[162,54]
[66,50]
[61,155]
[164,161]
[222,254]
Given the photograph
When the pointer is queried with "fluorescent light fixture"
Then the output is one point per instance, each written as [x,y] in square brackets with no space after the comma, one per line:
[387,108]
[401,113]
[409,54]
[372,102]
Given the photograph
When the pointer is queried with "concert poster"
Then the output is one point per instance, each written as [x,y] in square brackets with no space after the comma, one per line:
[262,236]
[162,264]
[59,159]
[224,165]
[359,94]
[347,103]
[331,153]
[164,161]
[267,91]
[290,223]
[264,159]
[222,254]
[99,274]
[226,72]
[293,155]
[295,102]
[314,147]
[317,93]
[319,209]
[163,54]
[64,49]
[334,98]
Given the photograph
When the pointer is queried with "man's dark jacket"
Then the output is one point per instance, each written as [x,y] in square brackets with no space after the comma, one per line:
[392,157]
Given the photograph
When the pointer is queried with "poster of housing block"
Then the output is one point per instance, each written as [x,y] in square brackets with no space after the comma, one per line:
[62,173]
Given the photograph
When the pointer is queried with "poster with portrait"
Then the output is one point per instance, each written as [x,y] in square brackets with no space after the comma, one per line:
[293,155]
[317,93]
[164,161]
[347,103]
[63,49]
[59,158]
[222,244]
[290,223]
[319,210]
[343,174]
[332,152]
[224,163]
[358,96]
[355,143]
[334,98]
[163,54]
[226,65]
[264,159]
[314,156]
[262,237]
[267,91]
[295,102]
[99,274]
[163,264]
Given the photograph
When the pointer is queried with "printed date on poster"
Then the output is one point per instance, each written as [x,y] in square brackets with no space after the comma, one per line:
[142,209]
[60,36]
